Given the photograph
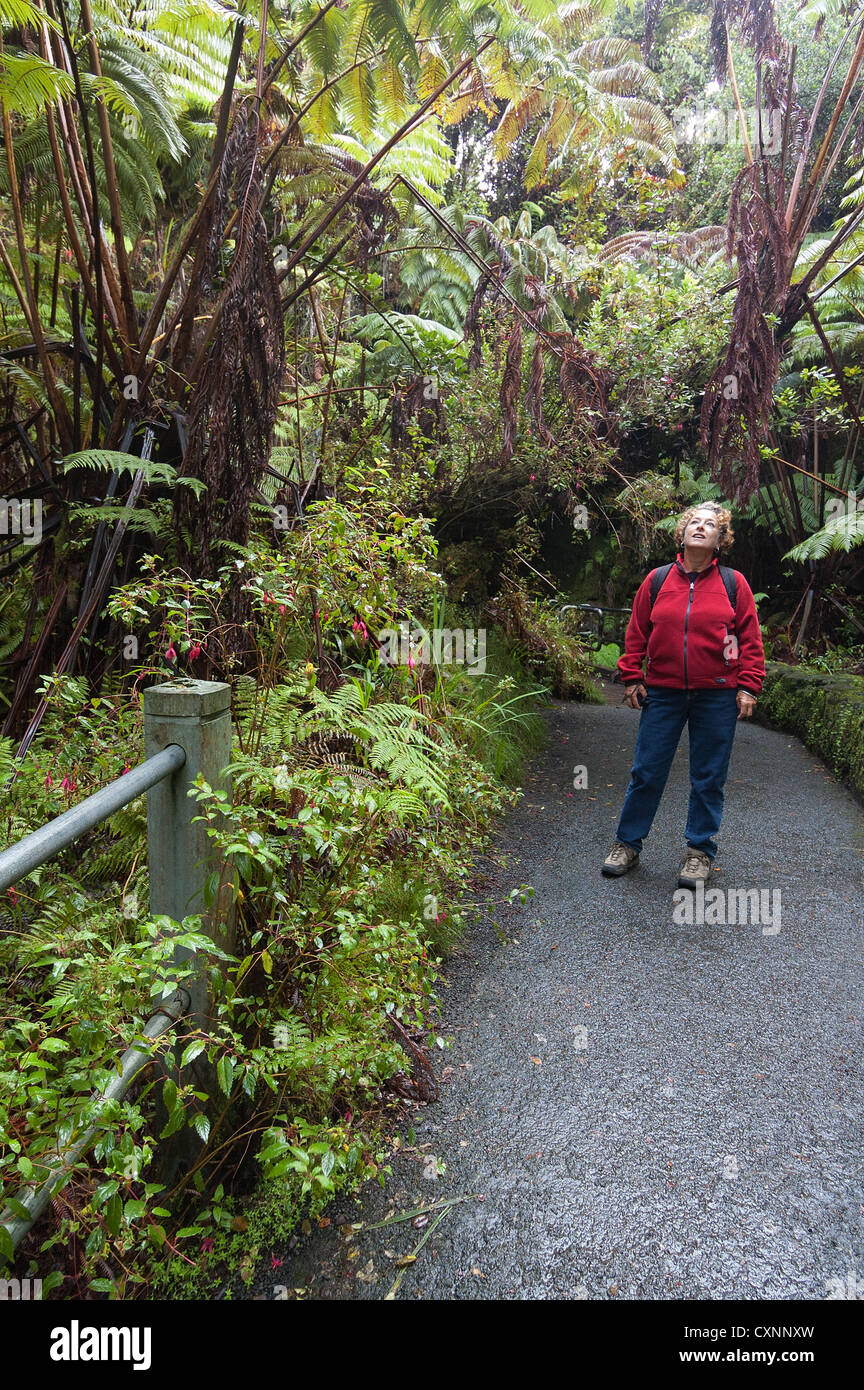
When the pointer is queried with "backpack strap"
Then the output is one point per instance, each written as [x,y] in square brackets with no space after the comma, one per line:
[658,579]
[730,584]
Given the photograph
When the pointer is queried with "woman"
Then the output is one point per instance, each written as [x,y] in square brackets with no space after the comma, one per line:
[705,669]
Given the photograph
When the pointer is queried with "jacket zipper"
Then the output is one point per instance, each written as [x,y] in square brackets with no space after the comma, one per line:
[686,621]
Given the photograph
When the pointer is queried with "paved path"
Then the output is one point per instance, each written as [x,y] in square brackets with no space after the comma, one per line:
[649,1109]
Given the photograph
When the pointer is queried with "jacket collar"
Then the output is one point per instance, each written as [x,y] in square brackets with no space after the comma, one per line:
[679,562]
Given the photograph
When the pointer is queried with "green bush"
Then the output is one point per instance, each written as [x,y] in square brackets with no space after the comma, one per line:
[825,711]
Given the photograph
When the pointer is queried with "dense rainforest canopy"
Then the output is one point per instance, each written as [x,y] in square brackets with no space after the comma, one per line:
[321,318]
[526,258]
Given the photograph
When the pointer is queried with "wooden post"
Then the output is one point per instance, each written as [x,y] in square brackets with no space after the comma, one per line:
[182,857]
[196,715]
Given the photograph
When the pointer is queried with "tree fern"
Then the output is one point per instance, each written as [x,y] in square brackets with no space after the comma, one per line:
[391,735]
[841,534]
[113,460]
[7,748]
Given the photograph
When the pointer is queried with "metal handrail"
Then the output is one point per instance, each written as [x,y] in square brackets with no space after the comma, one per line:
[602,612]
[16,863]
[35,1198]
[187,732]
[25,856]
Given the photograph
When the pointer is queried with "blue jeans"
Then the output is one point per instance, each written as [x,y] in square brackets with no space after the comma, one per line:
[711,716]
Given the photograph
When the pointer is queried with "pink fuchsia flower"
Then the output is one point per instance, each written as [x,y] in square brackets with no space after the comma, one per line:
[531,478]
[207,1244]
[10,893]
[48,781]
[68,786]
[170,654]
[125,770]
[194,651]
[274,1263]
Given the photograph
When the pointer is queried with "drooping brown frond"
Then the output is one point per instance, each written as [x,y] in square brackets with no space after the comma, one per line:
[584,386]
[687,247]
[652,14]
[374,212]
[234,402]
[313,166]
[534,394]
[736,406]
[511,381]
[717,39]
[758,26]
[769,227]
[222,206]
[472,321]
[755,22]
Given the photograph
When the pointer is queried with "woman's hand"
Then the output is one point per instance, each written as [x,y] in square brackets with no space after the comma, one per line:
[746,704]
[632,693]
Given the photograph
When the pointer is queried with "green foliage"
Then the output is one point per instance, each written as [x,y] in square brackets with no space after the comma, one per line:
[607,656]
[115,461]
[839,535]
[825,711]
[541,639]
[345,845]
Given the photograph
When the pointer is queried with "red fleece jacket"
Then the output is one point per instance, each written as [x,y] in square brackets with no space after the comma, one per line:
[691,637]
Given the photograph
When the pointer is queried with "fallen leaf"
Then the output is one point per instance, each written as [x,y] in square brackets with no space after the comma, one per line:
[368,1274]
[352,1253]
[478,1272]
[323,1223]
[239,1223]
[538,1061]
[405,1261]
[306,1227]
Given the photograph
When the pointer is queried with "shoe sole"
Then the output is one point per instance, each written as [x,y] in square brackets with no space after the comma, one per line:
[691,883]
[608,872]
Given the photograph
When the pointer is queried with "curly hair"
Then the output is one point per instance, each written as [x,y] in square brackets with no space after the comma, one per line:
[724,523]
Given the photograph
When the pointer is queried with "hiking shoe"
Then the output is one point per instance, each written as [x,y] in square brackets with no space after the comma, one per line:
[695,869]
[620,860]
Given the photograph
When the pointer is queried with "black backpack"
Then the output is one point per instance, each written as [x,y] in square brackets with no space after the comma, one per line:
[659,577]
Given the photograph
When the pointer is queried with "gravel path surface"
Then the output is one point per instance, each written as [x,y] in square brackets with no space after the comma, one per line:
[642,1108]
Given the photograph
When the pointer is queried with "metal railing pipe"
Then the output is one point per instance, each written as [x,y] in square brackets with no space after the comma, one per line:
[60,1165]
[21,859]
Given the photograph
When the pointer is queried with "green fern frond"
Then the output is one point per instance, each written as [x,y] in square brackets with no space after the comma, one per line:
[841,534]
[113,460]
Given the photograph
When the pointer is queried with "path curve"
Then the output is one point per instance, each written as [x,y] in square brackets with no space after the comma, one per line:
[700,1139]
